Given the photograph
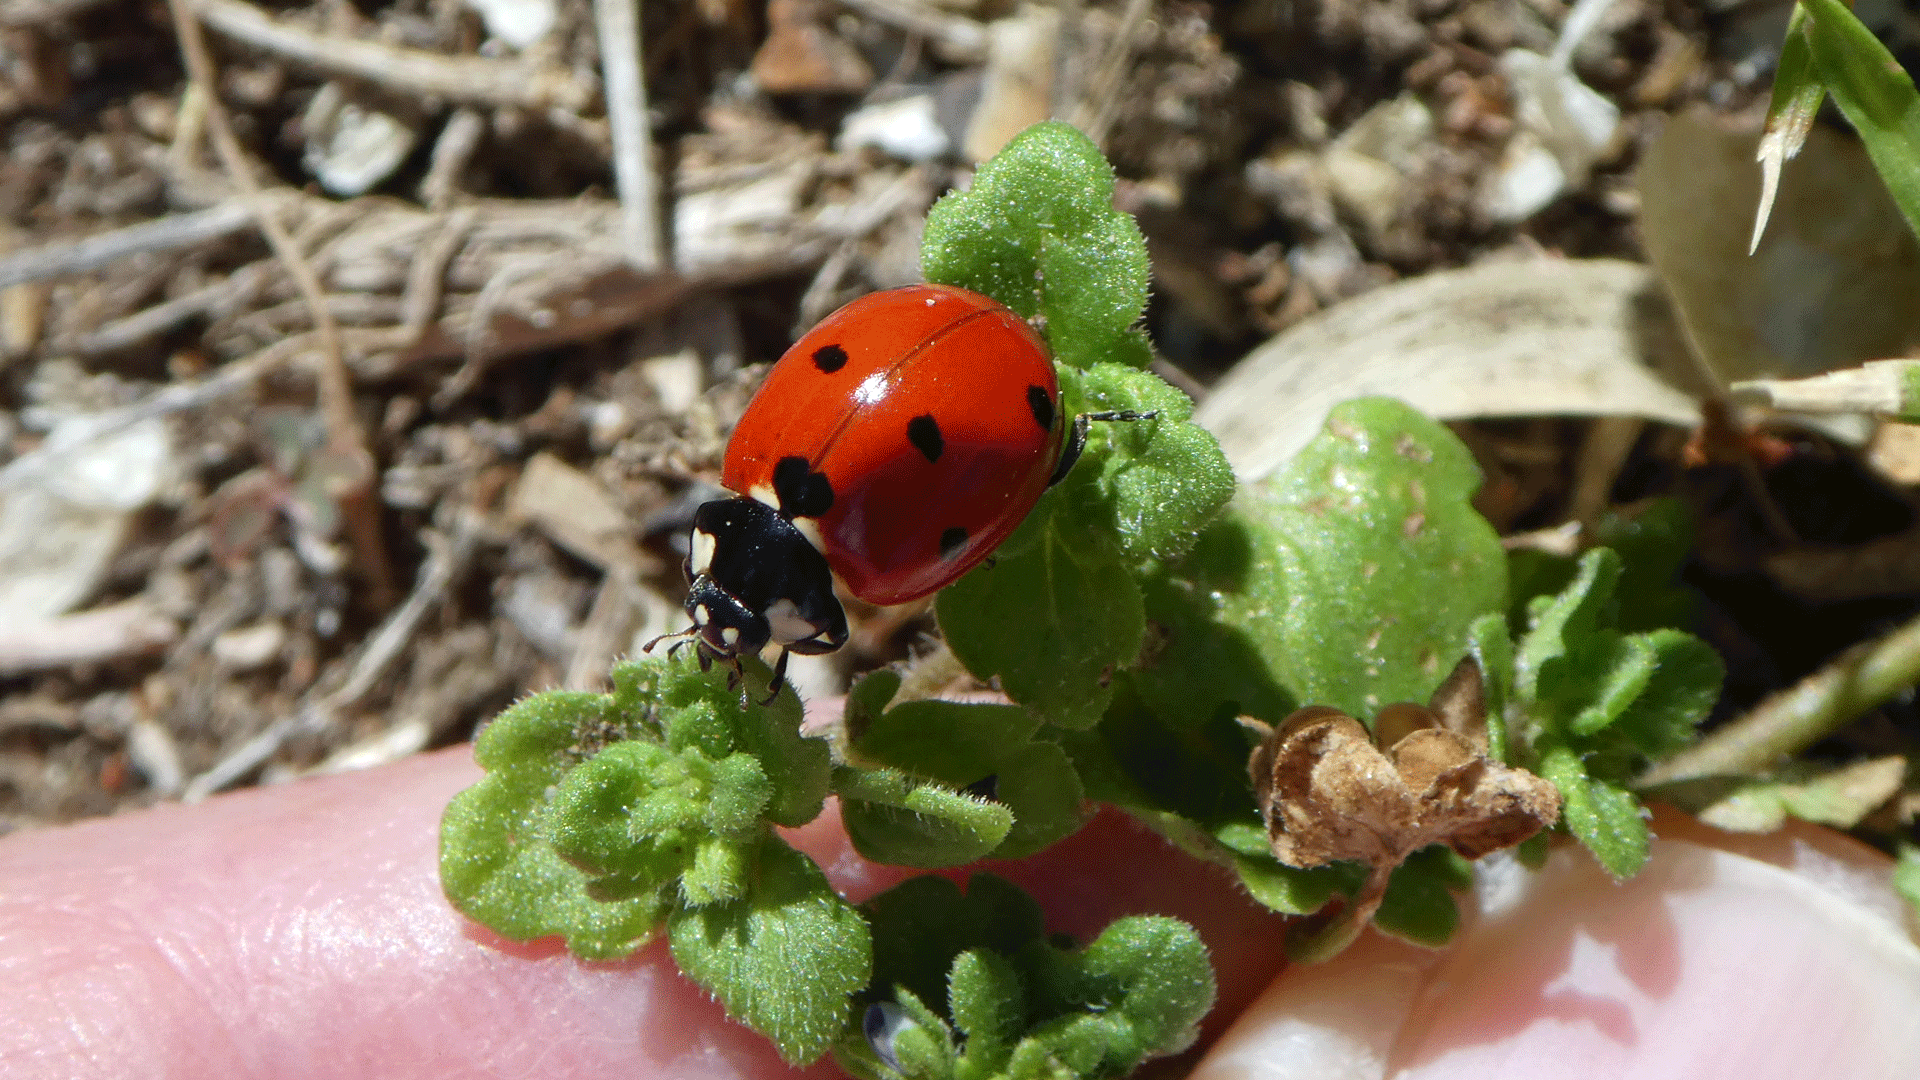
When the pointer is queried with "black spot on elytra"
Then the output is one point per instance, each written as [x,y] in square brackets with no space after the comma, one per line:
[1042,405]
[801,491]
[829,358]
[925,436]
[950,541]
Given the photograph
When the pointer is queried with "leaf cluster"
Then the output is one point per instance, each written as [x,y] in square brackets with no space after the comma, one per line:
[603,817]
[983,994]
[1588,706]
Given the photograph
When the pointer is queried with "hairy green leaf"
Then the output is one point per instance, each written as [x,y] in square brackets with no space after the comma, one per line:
[1419,905]
[496,863]
[1370,563]
[897,819]
[1605,817]
[1049,626]
[1038,232]
[784,959]
[1152,483]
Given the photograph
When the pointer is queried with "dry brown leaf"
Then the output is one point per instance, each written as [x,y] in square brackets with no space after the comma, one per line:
[1328,792]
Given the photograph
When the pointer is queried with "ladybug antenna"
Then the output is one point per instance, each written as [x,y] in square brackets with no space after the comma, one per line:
[1077,438]
[678,640]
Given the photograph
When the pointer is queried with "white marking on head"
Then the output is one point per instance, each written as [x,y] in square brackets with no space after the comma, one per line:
[764,493]
[700,551]
[810,529]
[730,635]
[702,615]
[871,389]
[787,623]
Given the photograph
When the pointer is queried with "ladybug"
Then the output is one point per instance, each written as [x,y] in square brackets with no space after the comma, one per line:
[894,446]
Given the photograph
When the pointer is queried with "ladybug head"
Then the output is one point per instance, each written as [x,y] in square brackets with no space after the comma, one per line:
[754,579]
[723,625]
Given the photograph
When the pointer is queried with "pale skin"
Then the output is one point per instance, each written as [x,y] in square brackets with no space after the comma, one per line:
[300,931]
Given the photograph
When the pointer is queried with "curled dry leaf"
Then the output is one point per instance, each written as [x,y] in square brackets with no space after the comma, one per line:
[1329,793]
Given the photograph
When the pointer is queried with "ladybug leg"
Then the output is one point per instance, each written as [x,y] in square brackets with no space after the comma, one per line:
[779,680]
[1077,438]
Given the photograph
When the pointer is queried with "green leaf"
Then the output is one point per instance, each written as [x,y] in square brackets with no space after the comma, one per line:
[1146,979]
[1200,661]
[1797,93]
[1560,622]
[1839,798]
[1875,93]
[1290,890]
[496,863]
[1051,628]
[1678,696]
[1198,772]
[1492,649]
[951,741]
[698,709]
[784,959]
[636,811]
[904,821]
[989,1004]
[1419,906]
[1653,543]
[1038,232]
[1166,481]
[922,924]
[1370,563]
[1607,674]
[1604,817]
[988,749]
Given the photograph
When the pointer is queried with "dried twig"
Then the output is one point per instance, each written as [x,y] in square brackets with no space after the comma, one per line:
[618,25]
[230,379]
[93,252]
[956,38]
[240,288]
[34,12]
[89,637]
[468,79]
[1094,112]
[353,489]
[458,140]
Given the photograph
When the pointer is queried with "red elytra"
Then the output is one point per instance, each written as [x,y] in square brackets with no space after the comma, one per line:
[927,420]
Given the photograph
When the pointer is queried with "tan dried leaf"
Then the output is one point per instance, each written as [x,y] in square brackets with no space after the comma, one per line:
[1329,793]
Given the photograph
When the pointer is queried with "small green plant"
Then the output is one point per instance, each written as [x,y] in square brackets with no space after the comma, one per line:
[1144,621]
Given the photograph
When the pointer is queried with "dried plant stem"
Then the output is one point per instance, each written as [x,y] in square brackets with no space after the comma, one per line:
[956,38]
[618,25]
[101,249]
[467,79]
[1860,679]
[354,490]
[34,12]
[1094,111]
